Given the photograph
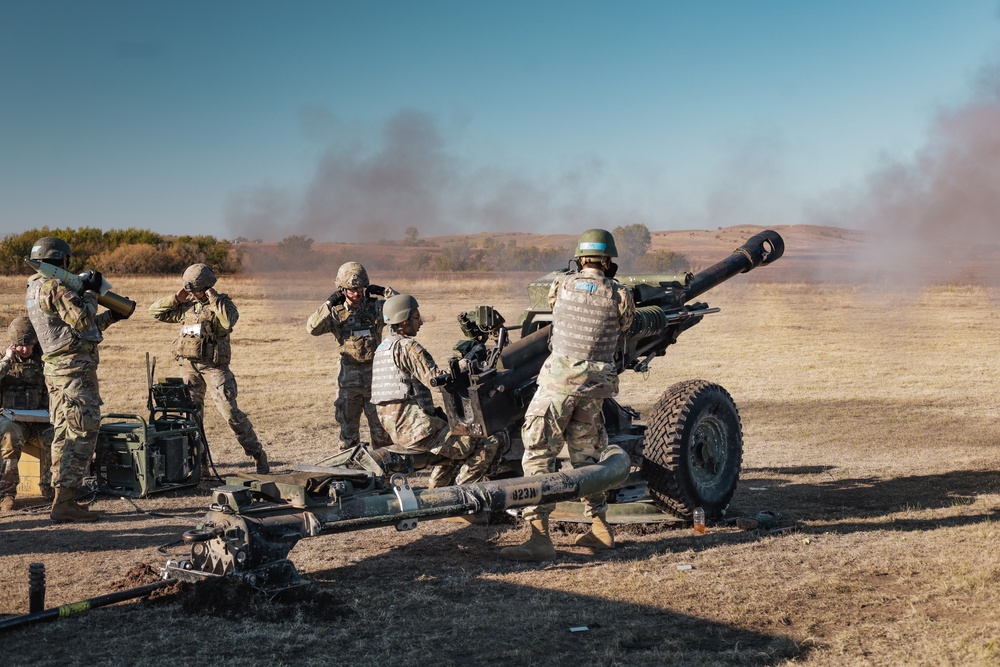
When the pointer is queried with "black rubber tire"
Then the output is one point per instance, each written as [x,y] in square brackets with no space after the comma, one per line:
[693,449]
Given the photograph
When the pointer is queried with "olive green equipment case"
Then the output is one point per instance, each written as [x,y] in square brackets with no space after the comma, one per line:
[137,456]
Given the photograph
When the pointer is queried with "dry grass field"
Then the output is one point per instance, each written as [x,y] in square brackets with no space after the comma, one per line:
[870,423]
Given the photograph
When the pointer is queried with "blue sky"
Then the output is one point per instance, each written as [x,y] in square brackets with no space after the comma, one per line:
[354,120]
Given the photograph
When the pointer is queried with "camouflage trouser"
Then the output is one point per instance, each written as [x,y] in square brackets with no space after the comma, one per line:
[555,419]
[16,437]
[220,383]
[75,407]
[456,448]
[350,403]
[473,469]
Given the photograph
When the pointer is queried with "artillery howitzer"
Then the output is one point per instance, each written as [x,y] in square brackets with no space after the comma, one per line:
[688,456]
[689,453]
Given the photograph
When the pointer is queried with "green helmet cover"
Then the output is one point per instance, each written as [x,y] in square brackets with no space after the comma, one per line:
[596,243]
[397,309]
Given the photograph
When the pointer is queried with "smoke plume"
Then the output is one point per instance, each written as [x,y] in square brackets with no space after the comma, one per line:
[935,217]
[410,178]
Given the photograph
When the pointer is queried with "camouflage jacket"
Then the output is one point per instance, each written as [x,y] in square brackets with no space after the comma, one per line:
[217,312]
[79,312]
[596,379]
[412,420]
[22,383]
[358,330]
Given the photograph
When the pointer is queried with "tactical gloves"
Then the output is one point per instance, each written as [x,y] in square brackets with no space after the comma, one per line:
[336,299]
[376,290]
[116,316]
[92,280]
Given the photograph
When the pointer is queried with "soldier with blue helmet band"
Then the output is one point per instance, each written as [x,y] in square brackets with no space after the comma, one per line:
[590,311]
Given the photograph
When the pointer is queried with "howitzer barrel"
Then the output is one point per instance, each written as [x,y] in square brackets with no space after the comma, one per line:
[760,249]
[532,347]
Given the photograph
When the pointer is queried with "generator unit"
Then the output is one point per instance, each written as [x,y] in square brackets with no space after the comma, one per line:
[137,456]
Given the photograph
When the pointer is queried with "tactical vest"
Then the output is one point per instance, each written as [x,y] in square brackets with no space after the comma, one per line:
[23,388]
[585,318]
[359,329]
[53,333]
[390,383]
[198,341]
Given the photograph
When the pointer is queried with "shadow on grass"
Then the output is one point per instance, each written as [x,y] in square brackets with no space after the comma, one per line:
[863,497]
[114,532]
[446,586]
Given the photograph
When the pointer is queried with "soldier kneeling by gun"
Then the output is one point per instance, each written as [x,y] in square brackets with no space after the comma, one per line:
[401,374]
[23,388]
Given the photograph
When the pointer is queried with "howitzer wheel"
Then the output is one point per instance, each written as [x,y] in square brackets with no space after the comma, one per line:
[694,449]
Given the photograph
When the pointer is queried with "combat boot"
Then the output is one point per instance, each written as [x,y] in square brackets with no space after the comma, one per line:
[262,466]
[6,504]
[599,536]
[65,508]
[538,547]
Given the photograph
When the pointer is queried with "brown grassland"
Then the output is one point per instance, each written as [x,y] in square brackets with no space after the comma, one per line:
[870,421]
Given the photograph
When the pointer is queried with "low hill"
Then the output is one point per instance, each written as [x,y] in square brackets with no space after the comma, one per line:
[811,252]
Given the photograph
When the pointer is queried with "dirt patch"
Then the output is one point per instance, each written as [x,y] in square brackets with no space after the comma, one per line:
[234,599]
[140,574]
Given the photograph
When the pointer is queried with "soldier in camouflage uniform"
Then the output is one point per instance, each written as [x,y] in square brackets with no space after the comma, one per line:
[69,329]
[589,312]
[203,351]
[401,375]
[22,384]
[353,315]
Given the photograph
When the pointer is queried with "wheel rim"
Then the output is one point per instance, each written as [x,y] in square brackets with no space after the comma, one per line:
[708,450]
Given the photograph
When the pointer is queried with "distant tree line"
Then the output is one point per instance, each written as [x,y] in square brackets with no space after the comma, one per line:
[140,251]
[493,255]
[121,251]
[633,243]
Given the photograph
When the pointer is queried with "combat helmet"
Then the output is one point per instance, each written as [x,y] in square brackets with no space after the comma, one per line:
[21,332]
[198,278]
[51,249]
[397,309]
[596,243]
[352,276]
